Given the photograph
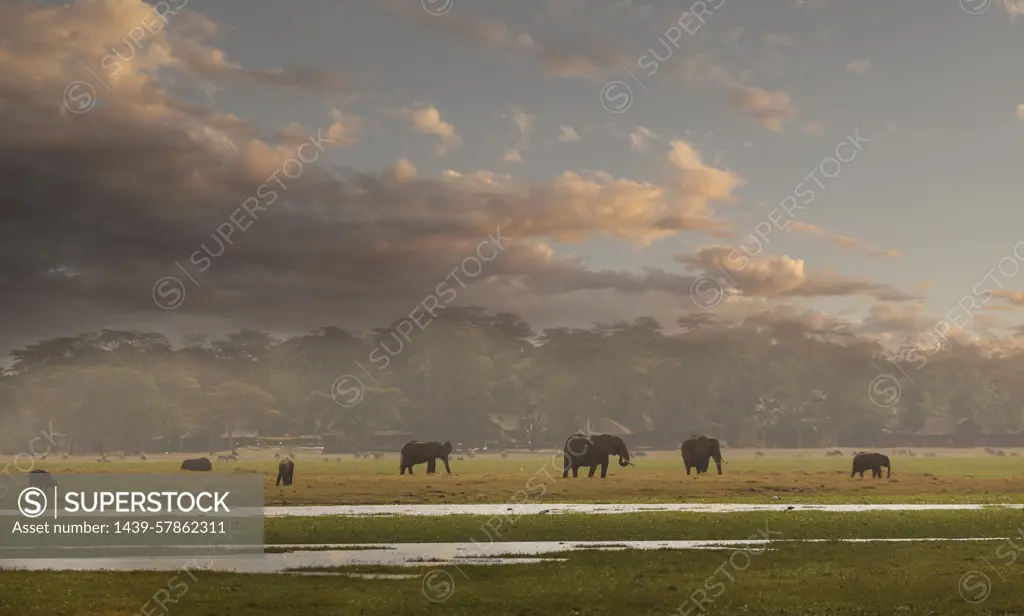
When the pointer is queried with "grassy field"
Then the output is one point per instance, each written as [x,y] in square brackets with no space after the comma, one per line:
[838,580]
[660,526]
[805,476]
[790,578]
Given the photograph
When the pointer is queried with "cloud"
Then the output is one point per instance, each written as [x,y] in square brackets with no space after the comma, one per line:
[640,137]
[1013,298]
[465,26]
[811,128]
[1014,8]
[341,131]
[774,276]
[335,245]
[426,120]
[771,109]
[524,126]
[859,66]
[568,134]
[845,243]
[575,51]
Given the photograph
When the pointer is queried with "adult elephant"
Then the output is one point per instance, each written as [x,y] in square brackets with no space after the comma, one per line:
[41,479]
[698,451]
[872,461]
[416,452]
[593,451]
[285,472]
[197,464]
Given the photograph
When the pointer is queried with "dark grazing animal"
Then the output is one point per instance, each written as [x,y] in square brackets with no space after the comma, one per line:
[221,458]
[698,451]
[41,479]
[873,462]
[415,452]
[197,464]
[593,451]
[285,472]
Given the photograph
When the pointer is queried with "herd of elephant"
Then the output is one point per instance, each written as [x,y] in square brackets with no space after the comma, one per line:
[580,450]
[594,451]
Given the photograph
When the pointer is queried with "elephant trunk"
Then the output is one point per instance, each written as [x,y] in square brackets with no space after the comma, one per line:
[624,457]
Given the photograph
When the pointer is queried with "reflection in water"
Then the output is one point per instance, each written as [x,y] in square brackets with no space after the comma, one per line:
[547,508]
[403,555]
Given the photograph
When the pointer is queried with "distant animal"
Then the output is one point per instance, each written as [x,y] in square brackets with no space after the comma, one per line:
[1000,452]
[593,451]
[143,457]
[471,453]
[640,454]
[285,472]
[44,456]
[221,458]
[504,454]
[358,455]
[41,479]
[65,456]
[197,464]
[460,457]
[833,453]
[277,456]
[873,462]
[758,454]
[378,456]
[416,452]
[337,459]
[932,455]
[697,451]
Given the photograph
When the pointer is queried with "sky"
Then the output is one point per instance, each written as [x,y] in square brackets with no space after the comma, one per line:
[643,158]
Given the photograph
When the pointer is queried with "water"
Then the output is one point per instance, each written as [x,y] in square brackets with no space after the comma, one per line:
[407,555]
[561,508]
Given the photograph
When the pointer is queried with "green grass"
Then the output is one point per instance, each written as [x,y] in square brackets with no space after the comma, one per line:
[833,579]
[645,526]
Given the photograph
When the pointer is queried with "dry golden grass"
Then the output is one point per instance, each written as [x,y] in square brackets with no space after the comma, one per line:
[796,476]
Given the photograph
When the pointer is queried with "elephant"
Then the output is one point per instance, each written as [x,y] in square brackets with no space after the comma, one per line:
[593,451]
[416,452]
[197,464]
[872,461]
[285,472]
[41,479]
[698,451]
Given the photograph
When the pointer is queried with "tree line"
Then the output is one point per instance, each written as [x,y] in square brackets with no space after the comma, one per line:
[752,383]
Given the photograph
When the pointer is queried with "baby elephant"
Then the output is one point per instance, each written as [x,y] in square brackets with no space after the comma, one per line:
[873,462]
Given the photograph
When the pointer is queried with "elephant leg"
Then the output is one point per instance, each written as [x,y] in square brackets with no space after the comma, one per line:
[575,471]
[687,469]
[593,469]
[604,470]
[446,467]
